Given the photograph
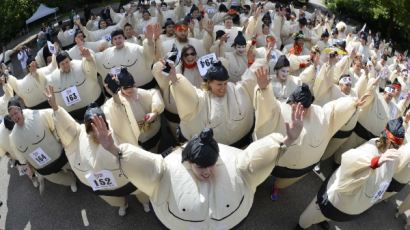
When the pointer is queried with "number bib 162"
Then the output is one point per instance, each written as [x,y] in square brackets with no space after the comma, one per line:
[40,157]
[71,96]
[101,180]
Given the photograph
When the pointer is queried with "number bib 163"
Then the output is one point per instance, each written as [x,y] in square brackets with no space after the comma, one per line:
[71,96]
[40,157]
[101,180]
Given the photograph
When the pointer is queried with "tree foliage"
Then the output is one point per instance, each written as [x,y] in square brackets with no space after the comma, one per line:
[390,17]
[13,14]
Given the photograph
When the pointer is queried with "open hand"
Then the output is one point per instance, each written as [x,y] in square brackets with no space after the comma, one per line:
[294,128]
[49,93]
[262,77]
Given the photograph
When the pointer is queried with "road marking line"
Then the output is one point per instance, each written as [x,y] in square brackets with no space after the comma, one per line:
[85,219]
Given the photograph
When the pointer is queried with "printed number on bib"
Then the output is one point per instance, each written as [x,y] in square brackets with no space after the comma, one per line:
[380,192]
[71,96]
[205,62]
[101,180]
[40,157]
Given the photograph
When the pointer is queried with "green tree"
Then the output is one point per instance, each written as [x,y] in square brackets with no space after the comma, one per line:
[13,14]
[391,17]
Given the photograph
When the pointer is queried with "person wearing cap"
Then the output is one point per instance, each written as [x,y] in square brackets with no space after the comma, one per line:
[181,39]
[133,109]
[169,31]
[95,167]
[6,126]
[103,32]
[73,81]
[79,39]
[377,111]
[202,185]
[320,124]
[276,27]
[44,57]
[297,48]
[283,84]
[222,105]
[237,60]
[34,141]
[31,87]
[363,48]
[137,59]
[401,177]
[360,181]
[219,16]
[230,30]
[187,66]
[323,43]
[268,50]
[301,28]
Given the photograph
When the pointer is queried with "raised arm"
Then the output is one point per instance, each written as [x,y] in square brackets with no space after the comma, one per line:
[88,63]
[339,111]
[186,96]
[67,128]
[142,168]
[259,158]
[268,113]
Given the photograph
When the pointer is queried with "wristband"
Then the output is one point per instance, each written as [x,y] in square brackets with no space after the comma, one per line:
[374,163]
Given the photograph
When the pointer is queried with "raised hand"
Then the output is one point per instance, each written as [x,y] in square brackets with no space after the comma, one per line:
[104,136]
[389,155]
[210,27]
[157,31]
[294,128]
[362,100]
[172,73]
[149,32]
[51,98]
[85,52]
[262,77]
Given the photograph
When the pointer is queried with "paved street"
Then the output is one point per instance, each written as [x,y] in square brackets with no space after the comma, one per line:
[59,208]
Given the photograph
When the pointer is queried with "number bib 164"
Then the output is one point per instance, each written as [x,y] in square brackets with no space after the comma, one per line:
[40,157]
[101,180]
[71,96]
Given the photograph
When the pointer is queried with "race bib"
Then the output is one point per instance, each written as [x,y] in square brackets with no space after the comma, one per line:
[40,157]
[380,192]
[101,180]
[51,47]
[115,70]
[71,96]
[211,11]
[205,62]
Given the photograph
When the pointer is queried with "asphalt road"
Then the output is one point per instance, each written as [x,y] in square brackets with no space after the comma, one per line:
[59,208]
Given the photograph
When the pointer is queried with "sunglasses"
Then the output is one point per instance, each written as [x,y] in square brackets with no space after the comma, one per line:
[190,54]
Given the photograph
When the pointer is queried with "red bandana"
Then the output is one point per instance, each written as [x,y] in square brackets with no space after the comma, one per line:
[189,66]
[391,137]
